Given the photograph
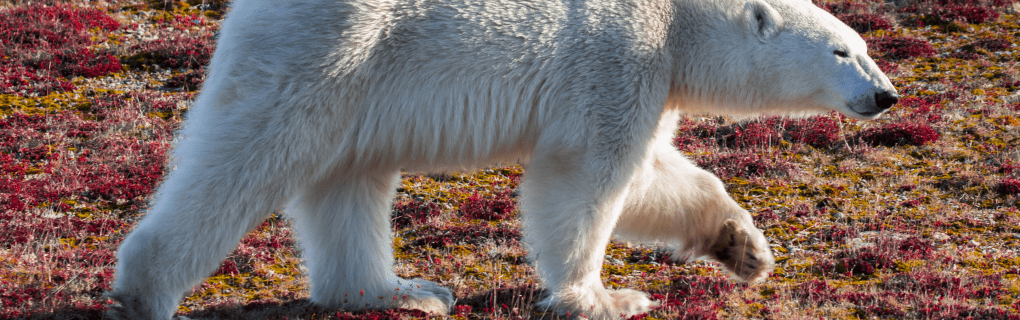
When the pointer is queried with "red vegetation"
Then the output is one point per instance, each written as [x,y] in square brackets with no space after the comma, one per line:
[916,247]
[39,26]
[901,295]
[694,297]
[837,234]
[43,44]
[843,7]
[501,303]
[219,5]
[865,22]
[179,51]
[498,208]
[36,141]
[887,66]
[818,132]
[692,136]
[813,290]
[990,3]
[857,262]
[1012,86]
[901,47]
[898,134]
[965,55]
[1008,186]
[79,62]
[188,81]
[922,109]
[475,234]
[754,134]
[949,310]
[260,247]
[414,212]
[75,176]
[965,13]
[993,44]
[744,164]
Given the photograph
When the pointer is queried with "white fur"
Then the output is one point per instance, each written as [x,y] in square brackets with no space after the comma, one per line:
[317,105]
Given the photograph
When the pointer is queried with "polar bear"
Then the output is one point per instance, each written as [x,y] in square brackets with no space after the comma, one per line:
[317,105]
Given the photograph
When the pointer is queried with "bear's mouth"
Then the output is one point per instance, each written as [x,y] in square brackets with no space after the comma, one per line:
[862,111]
[871,113]
[862,115]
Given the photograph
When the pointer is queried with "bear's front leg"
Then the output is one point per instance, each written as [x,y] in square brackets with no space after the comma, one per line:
[672,201]
[570,206]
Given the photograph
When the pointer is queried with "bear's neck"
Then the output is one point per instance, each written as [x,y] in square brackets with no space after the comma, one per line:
[712,72]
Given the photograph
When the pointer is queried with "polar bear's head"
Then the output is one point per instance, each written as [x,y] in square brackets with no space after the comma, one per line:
[815,59]
[790,56]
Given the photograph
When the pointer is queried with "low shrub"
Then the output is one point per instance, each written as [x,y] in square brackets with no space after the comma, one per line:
[993,44]
[474,235]
[862,262]
[818,131]
[900,47]
[414,212]
[965,13]
[188,81]
[744,164]
[178,51]
[478,207]
[1008,186]
[865,22]
[43,45]
[898,134]
[753,135]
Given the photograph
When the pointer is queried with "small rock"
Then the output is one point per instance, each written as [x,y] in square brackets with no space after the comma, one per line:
[859,243]
[974,243]
[940,236]
[837,215]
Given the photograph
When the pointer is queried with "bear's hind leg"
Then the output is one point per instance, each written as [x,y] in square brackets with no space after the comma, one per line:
[673,201]
[343,226]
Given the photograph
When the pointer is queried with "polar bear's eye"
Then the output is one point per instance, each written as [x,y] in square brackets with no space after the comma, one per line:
[841,53]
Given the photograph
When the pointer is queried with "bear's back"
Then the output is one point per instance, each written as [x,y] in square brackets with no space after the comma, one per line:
[446,82]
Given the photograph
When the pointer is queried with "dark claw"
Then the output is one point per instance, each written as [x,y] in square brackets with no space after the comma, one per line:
[723,254]
[752,266]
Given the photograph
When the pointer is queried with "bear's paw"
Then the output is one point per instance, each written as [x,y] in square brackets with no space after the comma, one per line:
[743,251]
[424,295]
[415,294]
[631,302]
[127,306]
[598,303]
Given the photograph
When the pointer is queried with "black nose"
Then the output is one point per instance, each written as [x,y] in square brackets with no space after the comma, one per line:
[885,100]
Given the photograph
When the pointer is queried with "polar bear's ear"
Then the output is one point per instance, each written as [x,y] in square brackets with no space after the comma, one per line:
[762,20]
